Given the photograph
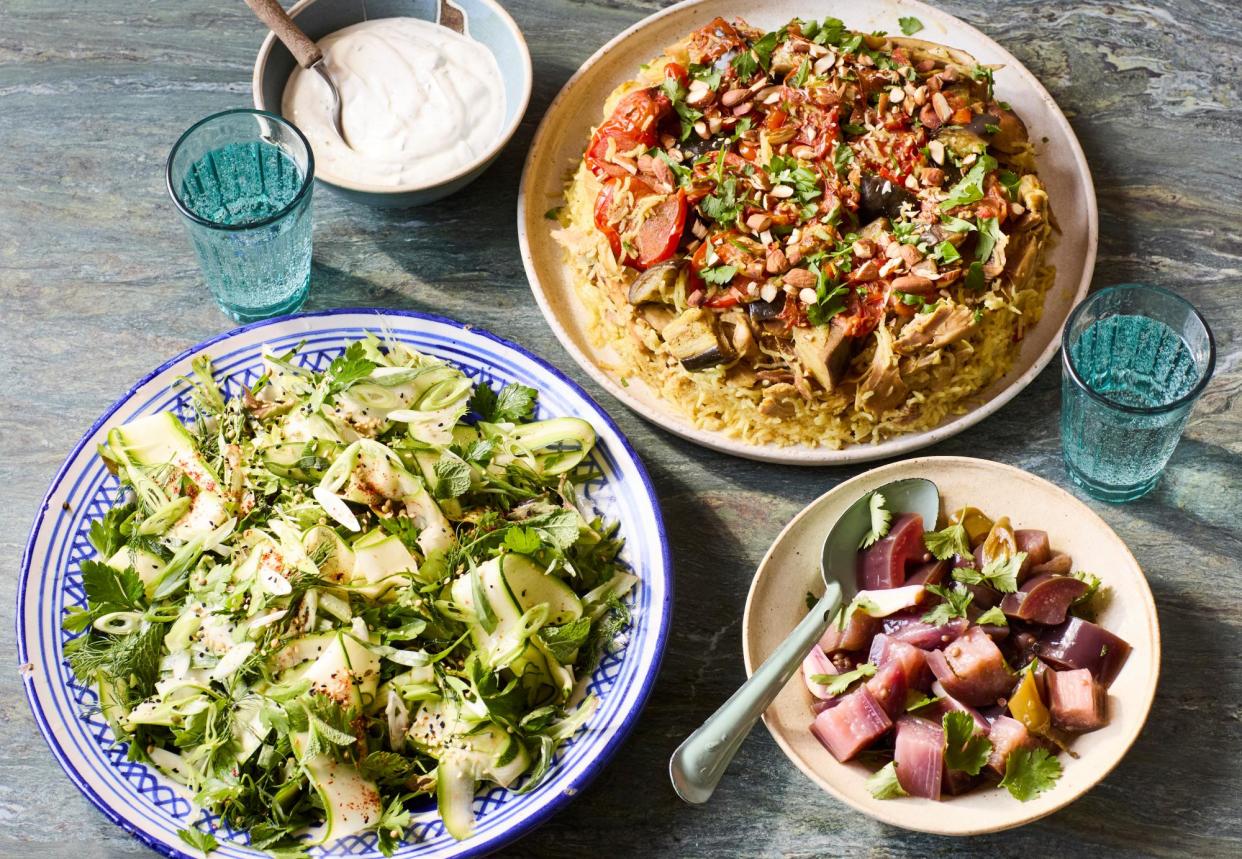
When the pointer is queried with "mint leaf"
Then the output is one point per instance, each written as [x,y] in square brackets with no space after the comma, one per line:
[452,478]
[564,641]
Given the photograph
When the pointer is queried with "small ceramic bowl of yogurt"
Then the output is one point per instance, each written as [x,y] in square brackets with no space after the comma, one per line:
[430,93]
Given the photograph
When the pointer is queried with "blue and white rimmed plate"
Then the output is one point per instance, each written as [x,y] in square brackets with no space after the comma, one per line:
[152,808]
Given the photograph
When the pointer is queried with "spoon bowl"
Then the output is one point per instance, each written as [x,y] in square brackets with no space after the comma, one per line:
[699,763]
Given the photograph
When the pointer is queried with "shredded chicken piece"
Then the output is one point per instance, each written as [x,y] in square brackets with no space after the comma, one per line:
[944,325]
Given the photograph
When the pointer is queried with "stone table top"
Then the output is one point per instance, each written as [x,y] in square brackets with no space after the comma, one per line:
[98,285]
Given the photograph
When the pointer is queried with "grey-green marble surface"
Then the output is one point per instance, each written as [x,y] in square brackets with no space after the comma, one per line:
[98,285]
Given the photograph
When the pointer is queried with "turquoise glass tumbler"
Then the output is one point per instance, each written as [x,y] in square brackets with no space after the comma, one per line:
[242,181]
[1135,358]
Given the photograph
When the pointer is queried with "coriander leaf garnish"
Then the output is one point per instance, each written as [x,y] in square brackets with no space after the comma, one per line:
[198,839]
[970,188]
[910,25]
[112,588]
[955,603]
[523,540]
[514,403]
[1085,606]
[962,749]
[837,684]
[1029,772]
[106,534]
[1000,573]
[917,701]
[346,370]
[881,521]
[992,617]
[718,275]
[883,784]
[946,543]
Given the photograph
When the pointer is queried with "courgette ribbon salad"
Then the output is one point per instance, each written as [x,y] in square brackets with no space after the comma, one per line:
[341,590]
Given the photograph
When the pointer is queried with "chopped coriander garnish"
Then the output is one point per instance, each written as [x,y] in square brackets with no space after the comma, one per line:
[989,234]
[910,25]
[970,188]
[718,275]
[992,617]
[1000,573]
[553,214]
[956,601]
[800,76]
[881,521]
[963,750]
[884,784]
[946,543]
[974,277]
[837,684]
[198,839]
[1030,772]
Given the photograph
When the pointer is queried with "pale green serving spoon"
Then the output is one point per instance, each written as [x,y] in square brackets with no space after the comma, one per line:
[699,762]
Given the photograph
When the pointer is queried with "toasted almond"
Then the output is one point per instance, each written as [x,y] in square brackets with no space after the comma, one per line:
[762,83]
[910,254]
[784,134]
[768,292]
[714,124]
[699,94]
[743,108]
[891,266]
[940,104]
[752,289]
[734,96]
[776,263]
[758,222]
[912,283]
[893,250]
[781,192]
[700,128]
[801,278]
[912,183]
[802,152]
[807,295]
[865,272]
[936,150]
[896,95]
[823,64]
[864,249]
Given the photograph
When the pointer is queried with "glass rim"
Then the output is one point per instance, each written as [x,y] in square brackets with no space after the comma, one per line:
[186,211]
[1205,375]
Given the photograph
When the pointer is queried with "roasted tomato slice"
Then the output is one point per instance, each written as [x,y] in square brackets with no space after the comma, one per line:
[678,72]
[713,41]
[864,312]
[657,236]
[634,123]
[661,230]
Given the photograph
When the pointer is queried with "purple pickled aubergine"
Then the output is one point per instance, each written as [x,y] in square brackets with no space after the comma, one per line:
[888,687]
[972,669]
[1077,701]
[913,661]
[1078,643]
[855,636]
[851,726]
[1006,735]
[1044,599]
[931,573]
[949,704]
[919,756]
[1035,544]
[910,628]
[884,564]
[817,662]
[1057,565]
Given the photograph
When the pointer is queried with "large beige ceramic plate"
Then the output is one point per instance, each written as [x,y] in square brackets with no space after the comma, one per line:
[791,568]
[566,127]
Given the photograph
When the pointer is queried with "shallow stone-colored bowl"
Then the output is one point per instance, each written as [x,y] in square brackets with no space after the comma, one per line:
[566,128]
[486,21]
[777,601]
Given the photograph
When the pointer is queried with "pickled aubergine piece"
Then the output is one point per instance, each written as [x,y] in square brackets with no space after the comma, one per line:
[1078,643]
[884,564]
[1044,599]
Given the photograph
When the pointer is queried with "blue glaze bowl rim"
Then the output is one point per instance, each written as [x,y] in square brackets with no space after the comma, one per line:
[477,846]
[308,180]
[1067,361]
[463,175]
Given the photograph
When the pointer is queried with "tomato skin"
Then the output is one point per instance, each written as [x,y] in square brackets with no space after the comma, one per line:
[863,313]
[660,233]
[728,299]
[634,122]
[678,72]
[603,204]
[775,118]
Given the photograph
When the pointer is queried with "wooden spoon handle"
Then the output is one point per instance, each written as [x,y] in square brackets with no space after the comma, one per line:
[271,13]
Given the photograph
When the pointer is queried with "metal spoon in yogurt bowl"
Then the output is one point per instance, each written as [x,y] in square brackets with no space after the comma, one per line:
[699,762]
[304,50]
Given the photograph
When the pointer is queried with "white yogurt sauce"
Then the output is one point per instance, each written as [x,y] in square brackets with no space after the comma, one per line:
[418,102]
